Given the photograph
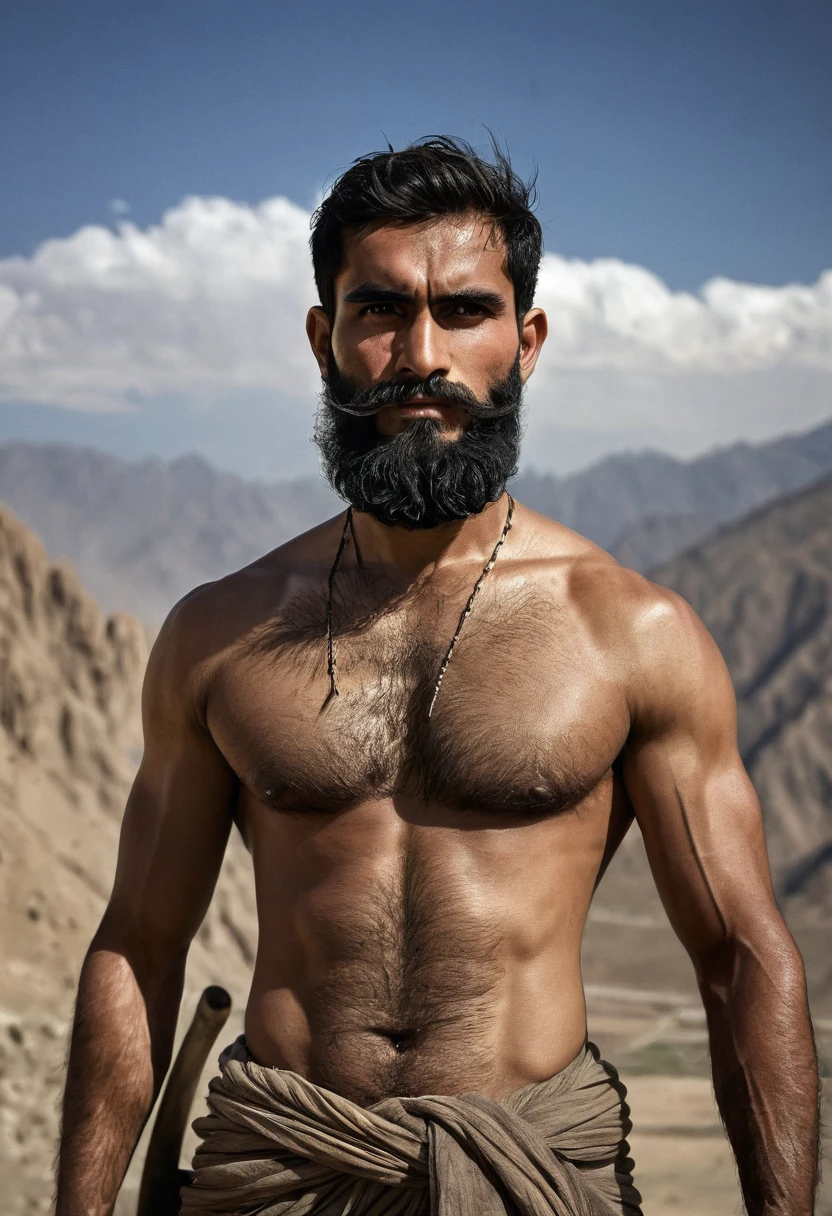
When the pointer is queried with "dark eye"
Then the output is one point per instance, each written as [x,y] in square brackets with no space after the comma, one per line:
[465,309]
[377,310]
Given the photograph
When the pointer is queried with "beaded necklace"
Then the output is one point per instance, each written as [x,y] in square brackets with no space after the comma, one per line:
[466,611]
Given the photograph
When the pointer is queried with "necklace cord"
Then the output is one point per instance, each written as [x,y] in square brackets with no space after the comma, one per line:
[466,611]
[330,643]
[349,530]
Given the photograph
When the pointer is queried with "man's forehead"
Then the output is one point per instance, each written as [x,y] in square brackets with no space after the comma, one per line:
[451,250]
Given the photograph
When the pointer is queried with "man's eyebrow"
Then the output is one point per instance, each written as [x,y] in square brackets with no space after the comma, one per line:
[374,293]
[473,295]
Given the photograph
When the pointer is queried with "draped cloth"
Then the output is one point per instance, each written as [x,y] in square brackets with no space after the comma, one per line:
[277,1145]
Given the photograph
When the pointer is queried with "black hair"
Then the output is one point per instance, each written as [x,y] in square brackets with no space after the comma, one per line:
[433,177]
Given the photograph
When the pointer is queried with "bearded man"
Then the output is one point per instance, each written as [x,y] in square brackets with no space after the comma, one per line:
[433,719]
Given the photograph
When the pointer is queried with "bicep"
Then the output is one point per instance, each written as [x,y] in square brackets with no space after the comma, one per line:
[176,823]
[694,802]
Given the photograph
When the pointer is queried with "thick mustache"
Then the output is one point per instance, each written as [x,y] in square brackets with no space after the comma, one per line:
[372,400]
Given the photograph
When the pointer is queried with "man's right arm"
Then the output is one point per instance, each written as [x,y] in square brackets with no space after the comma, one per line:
[173,837]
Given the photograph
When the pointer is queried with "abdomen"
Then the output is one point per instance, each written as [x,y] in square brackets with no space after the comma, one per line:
[440,956]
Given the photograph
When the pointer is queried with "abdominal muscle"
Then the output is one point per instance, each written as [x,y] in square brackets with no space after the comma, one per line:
[407,952]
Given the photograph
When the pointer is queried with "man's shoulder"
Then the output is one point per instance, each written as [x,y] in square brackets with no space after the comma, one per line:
[615,601]
[649,625]
[206,622]
[301,555]
[650,639]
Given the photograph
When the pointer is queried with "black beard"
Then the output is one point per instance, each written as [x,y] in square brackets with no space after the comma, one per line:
[418,479]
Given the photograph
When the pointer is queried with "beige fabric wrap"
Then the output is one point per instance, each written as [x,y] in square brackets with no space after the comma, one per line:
[277,1145]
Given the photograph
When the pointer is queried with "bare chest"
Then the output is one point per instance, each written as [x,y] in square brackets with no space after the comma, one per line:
[527,718]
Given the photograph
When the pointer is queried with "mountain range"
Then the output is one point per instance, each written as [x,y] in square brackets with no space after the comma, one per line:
[645,506]
[142,534]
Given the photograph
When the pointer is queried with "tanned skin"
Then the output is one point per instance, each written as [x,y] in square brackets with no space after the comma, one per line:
[422,887]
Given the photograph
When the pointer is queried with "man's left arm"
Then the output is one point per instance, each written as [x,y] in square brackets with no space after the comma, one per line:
[703,832]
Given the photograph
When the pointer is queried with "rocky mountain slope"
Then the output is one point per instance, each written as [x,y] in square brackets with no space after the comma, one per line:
[69,740]
[143,534]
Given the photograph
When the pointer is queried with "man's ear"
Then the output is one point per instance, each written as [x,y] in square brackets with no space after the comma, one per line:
[318,331]
[533,331]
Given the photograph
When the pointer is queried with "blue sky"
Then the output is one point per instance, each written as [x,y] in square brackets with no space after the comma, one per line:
[688,140]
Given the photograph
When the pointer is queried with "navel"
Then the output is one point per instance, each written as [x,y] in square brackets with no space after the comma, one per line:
[401,1041]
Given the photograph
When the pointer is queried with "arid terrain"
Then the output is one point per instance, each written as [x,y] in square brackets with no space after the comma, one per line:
[69,694]
[69,688]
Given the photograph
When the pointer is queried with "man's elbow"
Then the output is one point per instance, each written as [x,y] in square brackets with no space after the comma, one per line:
[761,953]
[151,952]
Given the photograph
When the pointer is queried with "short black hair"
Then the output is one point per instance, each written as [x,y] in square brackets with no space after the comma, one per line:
[430,178]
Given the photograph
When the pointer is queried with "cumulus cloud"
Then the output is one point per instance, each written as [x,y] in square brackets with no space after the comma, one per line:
[211,301]
[631,363]
[608,314]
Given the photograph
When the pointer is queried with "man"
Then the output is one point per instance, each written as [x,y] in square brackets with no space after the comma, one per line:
[433,719]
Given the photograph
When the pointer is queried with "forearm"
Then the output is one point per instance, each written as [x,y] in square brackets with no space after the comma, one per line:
[765,1073]
[120,1048]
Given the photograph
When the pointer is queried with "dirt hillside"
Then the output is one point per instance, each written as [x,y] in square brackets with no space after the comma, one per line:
[69,741]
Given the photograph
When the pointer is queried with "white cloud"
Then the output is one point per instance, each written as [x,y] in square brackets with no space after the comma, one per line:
[212,301]
[630,363]
[608,314]
[119,206]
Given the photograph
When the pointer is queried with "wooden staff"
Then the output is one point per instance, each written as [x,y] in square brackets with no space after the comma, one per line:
[161,1176]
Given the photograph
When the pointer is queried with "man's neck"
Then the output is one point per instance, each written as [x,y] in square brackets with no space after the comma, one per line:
[419,552]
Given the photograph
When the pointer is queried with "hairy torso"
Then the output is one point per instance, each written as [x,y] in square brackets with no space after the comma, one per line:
[422,883]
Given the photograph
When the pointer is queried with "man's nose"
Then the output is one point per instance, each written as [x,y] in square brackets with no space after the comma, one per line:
[421,348]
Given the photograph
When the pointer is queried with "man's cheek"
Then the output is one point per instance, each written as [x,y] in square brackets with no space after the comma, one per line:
[374,361]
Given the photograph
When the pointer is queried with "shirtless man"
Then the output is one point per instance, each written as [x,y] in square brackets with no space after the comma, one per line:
[427,831]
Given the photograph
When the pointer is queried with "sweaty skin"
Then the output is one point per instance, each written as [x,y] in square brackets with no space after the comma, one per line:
[422,885]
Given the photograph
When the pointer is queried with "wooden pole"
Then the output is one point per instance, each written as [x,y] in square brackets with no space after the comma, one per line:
[162,1177]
